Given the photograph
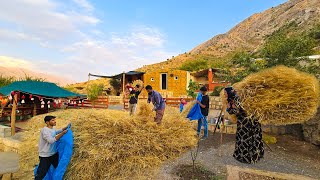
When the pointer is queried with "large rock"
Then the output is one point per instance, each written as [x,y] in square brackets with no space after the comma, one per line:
[311,129]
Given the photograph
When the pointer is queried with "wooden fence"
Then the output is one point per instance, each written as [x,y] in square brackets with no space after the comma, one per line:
[101,102]
[170,101]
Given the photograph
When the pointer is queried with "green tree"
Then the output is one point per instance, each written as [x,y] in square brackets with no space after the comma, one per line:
[284,50]
[116,84]
[94,90]
[241,65]
[192,87]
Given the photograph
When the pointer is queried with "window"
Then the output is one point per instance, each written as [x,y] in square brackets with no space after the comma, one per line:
[176,78]
[164,80]
[152,79]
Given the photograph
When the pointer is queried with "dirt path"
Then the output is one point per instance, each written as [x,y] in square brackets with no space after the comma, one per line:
[289,156]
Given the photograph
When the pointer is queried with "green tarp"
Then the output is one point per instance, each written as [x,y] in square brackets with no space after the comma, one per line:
[44,89]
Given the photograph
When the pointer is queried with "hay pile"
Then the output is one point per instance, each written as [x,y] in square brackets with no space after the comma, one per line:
[134,83]
[279,95]
[187,108]
[109,144]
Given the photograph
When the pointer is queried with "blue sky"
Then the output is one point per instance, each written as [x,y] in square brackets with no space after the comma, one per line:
[71,38]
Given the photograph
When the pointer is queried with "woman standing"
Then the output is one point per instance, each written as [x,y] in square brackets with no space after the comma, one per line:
[249,145]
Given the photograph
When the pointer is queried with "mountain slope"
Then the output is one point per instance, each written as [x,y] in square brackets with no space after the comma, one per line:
[249,35]
[21,73]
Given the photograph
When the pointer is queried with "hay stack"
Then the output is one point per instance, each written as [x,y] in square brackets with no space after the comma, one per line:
[134,83]
[279,95]
[109,144]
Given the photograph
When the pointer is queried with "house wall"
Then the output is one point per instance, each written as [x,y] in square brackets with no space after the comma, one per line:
[175,87]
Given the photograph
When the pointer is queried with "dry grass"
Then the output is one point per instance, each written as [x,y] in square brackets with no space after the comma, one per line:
[279,95]
[109,144]
[187,108]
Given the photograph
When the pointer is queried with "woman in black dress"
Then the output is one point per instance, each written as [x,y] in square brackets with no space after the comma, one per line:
[249,145]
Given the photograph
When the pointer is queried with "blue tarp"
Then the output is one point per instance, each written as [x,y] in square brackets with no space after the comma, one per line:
[64,147]
[195,111]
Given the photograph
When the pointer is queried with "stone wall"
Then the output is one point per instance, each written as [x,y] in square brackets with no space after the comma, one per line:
[311,129]
[215,102]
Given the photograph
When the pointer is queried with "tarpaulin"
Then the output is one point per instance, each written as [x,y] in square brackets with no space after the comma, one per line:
[195,111]
[65,149]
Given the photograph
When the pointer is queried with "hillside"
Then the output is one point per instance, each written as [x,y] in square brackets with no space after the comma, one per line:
[250,34]
[81,88]
[21,73]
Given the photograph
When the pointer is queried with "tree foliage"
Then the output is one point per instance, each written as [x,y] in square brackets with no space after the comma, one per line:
[280,49]
[116,84]
[192,87]
[94,90]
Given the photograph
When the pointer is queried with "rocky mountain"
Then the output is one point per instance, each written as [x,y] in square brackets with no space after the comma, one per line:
[250,34]
[21,73]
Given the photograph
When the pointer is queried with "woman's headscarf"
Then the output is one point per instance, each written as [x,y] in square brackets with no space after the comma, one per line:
[231,93]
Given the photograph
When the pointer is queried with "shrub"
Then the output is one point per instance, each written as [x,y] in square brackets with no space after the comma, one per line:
[94,90]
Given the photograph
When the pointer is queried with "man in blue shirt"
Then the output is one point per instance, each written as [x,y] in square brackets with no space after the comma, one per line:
[158,102]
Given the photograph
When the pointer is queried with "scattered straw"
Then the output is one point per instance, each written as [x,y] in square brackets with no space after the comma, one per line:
[109,144]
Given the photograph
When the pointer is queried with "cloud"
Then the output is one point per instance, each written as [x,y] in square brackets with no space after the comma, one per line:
[64,31]
[44,19]
[84,4]
[123,52]
[140,36]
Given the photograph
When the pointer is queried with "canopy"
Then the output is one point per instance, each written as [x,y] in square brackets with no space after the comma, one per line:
[119,76]
[44,89]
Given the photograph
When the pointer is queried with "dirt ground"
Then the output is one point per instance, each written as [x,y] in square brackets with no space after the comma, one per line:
[288,155]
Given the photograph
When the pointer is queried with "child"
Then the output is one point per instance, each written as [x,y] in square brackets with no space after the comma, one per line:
[182,104]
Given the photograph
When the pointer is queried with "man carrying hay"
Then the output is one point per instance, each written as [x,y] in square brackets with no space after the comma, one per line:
[158,102]
[133,99]
[48,154]
[249,145]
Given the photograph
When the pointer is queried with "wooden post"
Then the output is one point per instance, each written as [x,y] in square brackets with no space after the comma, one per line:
[13,114]
[89,77]
[34,109]
[123,82]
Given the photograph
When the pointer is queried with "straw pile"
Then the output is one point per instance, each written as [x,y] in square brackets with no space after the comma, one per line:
[109,144]
[137,82]
[279,96]
[187,108]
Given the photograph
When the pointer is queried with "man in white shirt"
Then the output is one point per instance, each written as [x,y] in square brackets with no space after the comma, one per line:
[47,146]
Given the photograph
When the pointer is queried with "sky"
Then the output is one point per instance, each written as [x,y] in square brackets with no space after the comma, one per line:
[71,38]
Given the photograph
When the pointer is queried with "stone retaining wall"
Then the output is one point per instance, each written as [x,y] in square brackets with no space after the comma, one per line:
[215,102]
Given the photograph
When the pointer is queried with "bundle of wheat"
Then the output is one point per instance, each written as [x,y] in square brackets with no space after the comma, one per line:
[137,82]
[279,95]
[109,144]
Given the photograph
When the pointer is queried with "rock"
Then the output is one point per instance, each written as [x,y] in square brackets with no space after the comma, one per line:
[311,129]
